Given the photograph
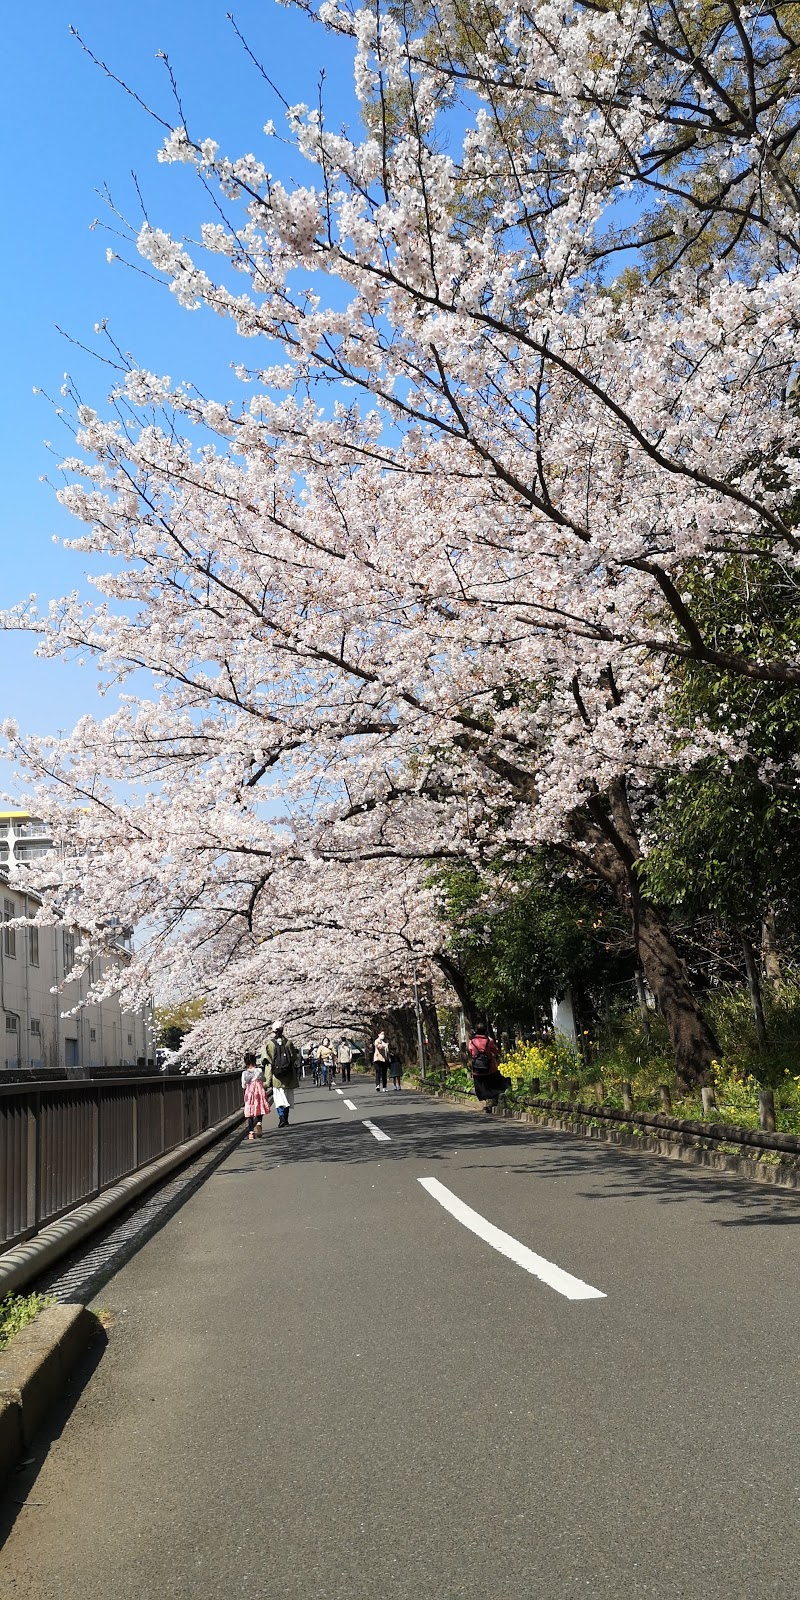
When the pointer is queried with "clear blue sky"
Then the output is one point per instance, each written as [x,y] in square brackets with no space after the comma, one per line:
[66,132]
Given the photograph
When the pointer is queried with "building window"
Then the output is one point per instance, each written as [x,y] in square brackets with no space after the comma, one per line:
[130,1038]
[69,950]
[12,1023]
[36,1027]
[92,1033]
[9,934]
[33,946]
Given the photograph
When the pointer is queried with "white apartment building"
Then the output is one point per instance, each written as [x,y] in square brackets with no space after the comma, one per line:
[33,962]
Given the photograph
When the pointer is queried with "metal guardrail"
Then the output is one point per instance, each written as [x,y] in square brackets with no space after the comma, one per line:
[63,1143]
[717,1132]
[721,1132]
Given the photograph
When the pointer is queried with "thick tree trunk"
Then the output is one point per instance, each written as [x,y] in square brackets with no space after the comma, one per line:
[430,1028]
[754,985]
[693,1043]
[459,981]
[609,833]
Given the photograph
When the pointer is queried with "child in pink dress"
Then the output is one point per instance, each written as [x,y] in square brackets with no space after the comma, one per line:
[256,1104]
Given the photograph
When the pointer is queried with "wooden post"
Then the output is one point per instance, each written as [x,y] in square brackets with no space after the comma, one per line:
[627,1097]
[709,1099]
[766,1110]
[599,1090]
[574,1089]
[536,1085]
[665,1097]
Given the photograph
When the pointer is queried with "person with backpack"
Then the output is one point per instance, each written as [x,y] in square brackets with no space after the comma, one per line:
[395,1067]
[380,1061]
[280,1060]
[487,1078]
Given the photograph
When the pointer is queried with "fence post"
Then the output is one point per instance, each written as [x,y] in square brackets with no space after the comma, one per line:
[96,1141]
[32,1166]
[162,1095]
[135,1120]
[766,1110]
[627,1097]
[574,1089]
[665,1097]
[536,1085]
[599,1090]
[709,1098]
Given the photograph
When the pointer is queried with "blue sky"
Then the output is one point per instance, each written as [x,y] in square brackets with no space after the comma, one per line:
[66,132]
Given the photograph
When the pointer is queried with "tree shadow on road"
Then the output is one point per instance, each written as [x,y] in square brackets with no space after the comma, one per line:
[526,1150]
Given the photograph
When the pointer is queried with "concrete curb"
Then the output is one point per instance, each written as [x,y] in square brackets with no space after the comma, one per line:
[34,1368]
[688,1148]
[27,1260]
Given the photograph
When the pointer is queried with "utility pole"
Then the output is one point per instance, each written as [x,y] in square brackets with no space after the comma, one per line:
[420,1039]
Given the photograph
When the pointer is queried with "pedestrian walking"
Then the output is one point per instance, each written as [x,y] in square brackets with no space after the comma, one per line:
[487,1078]
[328,1061]
[344,1056]
[395,1068]
[380,1061]
[281,1072]
[256,1105]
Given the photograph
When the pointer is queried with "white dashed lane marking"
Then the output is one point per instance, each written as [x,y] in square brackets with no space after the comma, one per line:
[351,1104]
[377,1133]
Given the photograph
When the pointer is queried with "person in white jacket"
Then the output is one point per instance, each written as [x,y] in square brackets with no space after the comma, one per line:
[380,1061]
[344,1056]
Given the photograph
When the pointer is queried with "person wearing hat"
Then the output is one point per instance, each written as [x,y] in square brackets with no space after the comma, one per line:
[281,1062]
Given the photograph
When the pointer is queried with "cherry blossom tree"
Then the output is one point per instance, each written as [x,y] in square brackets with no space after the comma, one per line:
[420,594]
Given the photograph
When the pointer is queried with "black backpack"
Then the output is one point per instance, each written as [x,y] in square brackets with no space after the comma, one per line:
[281,1061]
[481,1062]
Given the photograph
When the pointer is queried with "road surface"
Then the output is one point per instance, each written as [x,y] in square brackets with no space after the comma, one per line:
[320,1380]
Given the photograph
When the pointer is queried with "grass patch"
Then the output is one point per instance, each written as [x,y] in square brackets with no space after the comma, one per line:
[17,1310]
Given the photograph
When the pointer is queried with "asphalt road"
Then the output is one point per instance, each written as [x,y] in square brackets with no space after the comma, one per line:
[319,1382]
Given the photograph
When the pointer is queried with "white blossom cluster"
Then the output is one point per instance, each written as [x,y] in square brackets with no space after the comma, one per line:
[415,599]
